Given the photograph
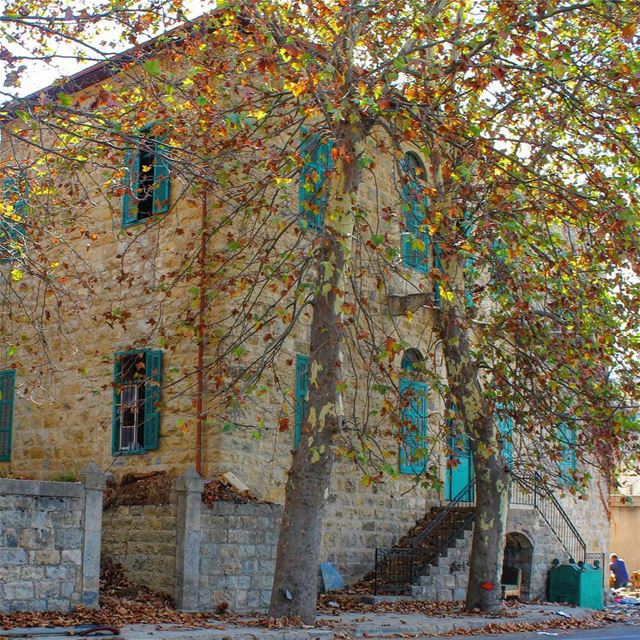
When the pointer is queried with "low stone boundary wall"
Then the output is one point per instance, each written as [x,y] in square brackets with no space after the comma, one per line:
[202,555]
[143,540]
[50,543]
[238,554]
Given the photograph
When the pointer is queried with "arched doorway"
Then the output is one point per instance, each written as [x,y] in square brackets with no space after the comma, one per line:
[518,552]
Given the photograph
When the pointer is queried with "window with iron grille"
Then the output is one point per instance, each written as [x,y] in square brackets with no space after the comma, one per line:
[312,189]
[136,398]
[148,180]
[13,212]
[7,390]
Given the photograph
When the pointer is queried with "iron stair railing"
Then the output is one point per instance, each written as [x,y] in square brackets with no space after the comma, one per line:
[397,568]
[531,490]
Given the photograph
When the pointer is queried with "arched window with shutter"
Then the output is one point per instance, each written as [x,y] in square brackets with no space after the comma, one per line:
[415,237]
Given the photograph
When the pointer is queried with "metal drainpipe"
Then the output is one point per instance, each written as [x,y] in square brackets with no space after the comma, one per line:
[201,333]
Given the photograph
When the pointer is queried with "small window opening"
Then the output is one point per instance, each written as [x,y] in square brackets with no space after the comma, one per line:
[144,195]
[131,408]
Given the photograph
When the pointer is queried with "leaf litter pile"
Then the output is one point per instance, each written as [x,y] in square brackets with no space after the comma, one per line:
[564,624]
[155,489]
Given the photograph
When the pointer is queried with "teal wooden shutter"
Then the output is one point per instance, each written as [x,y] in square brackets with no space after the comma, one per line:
[312,194]
[437,263]
[152,397]
[129,203]
[415,241]
[115,416]
[567,464]
[412,453]
[301,399]
[161,178]
[505,435]
[12,232]
[7,391]
[469,264]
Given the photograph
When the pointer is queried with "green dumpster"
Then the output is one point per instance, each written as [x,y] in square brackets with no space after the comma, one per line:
[577,584]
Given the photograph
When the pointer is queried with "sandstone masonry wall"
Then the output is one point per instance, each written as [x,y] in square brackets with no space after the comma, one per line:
[238,551]
[201,555]
[143,540]
[49,544]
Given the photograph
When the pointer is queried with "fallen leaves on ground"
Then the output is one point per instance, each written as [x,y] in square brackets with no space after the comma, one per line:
[347,601]
[518,627]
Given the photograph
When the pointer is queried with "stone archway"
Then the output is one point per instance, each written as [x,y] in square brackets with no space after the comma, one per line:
[518,552]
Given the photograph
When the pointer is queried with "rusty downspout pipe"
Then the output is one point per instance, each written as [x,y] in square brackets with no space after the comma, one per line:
[202,254]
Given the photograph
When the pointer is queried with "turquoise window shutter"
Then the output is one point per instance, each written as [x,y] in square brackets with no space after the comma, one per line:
[301,400]
[7,391]
[161,179]
[12,232]
[412,454]
[115,419]
[312,192]
[437,263]
[505,435]
[129,204]
[567,464]
[152,397]
[415,241]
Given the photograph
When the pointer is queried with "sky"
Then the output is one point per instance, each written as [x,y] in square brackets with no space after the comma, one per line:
[63,61]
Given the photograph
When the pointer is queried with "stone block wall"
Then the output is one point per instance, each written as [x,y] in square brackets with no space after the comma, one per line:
[50,543]
[237,555]
[201,555]
[142,539]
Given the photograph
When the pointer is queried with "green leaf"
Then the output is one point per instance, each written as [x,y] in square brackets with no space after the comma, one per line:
[66,100]
[152,67]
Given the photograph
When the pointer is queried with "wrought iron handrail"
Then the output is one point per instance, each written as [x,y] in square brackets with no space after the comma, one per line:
[469,489]
[552,512]
[398,567]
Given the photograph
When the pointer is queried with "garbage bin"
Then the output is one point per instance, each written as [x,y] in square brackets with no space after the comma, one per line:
[579,584]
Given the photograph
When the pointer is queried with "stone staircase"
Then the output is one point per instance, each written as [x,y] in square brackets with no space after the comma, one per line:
[431,562]
[445,578]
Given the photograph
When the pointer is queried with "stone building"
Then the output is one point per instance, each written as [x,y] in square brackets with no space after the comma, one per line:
[113,339]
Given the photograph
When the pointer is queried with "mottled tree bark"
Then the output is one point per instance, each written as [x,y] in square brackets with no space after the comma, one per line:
[492,503]
[492,488]
[295,581]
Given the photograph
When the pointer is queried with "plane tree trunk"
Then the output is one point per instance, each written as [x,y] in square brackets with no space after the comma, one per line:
[295,581]
[491,474]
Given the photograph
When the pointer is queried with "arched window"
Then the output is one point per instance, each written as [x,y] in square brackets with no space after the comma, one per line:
[415,239]
[410,359]
[413,432]
[312,189]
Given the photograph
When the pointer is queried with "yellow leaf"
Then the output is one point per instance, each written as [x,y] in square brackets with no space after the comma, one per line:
[16,275]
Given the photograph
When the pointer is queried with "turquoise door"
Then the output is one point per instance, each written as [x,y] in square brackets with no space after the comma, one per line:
[460,469]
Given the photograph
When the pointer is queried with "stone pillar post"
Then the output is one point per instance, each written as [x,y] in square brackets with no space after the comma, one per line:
[189,488]
[94,483]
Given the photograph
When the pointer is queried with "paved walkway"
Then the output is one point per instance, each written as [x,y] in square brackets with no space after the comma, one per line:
[354,625]
[328,627]
[386,624]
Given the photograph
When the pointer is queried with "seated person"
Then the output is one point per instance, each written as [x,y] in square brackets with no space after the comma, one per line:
[619,570]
